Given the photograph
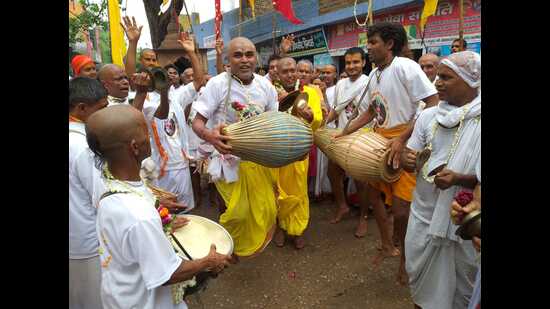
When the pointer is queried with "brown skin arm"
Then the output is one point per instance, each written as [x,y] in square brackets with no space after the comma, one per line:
[133,32]
[213,262]
[447,178]
[397,144]
[141,82]
[214,137]
[164,107]
[458,212]
[188,45]
[359,122]
[219,51]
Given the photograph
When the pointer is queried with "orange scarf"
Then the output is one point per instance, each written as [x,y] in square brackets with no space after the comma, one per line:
[74,119]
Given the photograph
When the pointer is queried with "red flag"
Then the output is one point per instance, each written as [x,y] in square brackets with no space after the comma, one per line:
[285,7]
[219,18]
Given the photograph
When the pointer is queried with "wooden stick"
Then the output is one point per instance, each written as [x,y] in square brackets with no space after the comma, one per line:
[461,20]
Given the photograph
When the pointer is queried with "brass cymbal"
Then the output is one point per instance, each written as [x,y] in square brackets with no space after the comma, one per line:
[288,101]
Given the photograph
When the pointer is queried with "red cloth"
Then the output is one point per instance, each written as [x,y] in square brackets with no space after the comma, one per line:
[285,7]
[219,18]
[79,62]
[312,169]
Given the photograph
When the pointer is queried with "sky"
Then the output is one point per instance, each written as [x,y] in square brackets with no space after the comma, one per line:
[205,8]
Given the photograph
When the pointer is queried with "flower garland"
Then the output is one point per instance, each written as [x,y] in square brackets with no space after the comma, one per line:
[166,218]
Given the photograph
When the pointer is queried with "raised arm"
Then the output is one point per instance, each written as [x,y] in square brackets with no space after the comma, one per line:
[133,32]
[188,45]
[219,54]
[141,82]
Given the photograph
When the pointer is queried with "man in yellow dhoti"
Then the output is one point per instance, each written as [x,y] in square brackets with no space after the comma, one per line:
[246,187]
[293,201]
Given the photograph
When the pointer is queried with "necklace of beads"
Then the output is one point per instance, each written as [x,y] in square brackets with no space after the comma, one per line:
[430,179]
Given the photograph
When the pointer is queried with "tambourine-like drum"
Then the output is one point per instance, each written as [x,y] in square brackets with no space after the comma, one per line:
[363,155]
[272,139]
[196,237]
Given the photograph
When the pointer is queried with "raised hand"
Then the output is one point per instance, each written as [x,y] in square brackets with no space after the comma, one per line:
[286,43]
[133,32]
[187,43]
[219,46]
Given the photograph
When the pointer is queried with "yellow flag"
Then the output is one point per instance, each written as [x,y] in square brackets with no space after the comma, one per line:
[118,46]
[429,9]
[251,2]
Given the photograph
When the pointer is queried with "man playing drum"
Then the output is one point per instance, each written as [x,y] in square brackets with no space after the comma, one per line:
[246,187]
[347,94]
[396,86]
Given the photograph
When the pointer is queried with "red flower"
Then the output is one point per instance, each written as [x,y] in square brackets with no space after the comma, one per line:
[464,197]
[238,106]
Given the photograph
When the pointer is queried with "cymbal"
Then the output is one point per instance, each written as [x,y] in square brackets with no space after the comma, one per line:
[288,101]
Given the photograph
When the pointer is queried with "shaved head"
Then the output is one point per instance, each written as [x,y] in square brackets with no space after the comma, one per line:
[115,80]
[118,132]
[148,58]
[107,70]
[429,63]
[328,75]
[287,72]
[242,58]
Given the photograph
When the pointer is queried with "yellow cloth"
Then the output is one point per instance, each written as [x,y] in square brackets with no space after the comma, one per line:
[251,208]
[293,197]
[429,9]
[404,187]
[118,47]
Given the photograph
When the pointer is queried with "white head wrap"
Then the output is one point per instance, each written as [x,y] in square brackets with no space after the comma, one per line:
[467,65]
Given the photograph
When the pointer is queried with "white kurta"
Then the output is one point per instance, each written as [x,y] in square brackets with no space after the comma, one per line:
[441,267]
[347,94]
[136,257]
[396,96]
[84,186]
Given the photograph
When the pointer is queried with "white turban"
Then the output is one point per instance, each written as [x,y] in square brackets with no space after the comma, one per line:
[467,65]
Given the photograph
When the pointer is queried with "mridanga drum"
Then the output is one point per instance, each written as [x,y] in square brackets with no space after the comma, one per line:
[271,139]
[363,155]
[323,137]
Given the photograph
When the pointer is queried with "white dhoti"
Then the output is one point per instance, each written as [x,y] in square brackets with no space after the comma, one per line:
[178,181]
[441,271]
[322,183]
[85,283]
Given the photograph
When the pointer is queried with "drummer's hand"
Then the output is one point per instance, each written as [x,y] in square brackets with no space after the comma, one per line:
[445,179]
[179,221]
[217,139]
[458,212]
[476,241]
[408,160]
[396,146]
[306,113]
[172,205]
[216,262]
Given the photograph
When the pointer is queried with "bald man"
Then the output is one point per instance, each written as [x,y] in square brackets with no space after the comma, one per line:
[305,71]
[115,80]
[293,216]
[429,63]
[215,108]
[139,264]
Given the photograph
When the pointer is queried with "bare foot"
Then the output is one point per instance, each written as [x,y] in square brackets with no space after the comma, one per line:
[279,238]
[340,213]
[299,242]
[361,230]
[385,253]
[402,276]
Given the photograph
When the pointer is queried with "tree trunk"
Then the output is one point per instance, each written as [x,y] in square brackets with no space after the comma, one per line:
[158,24]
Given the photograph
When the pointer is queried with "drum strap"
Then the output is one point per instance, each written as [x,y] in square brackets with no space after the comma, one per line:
[226,101]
